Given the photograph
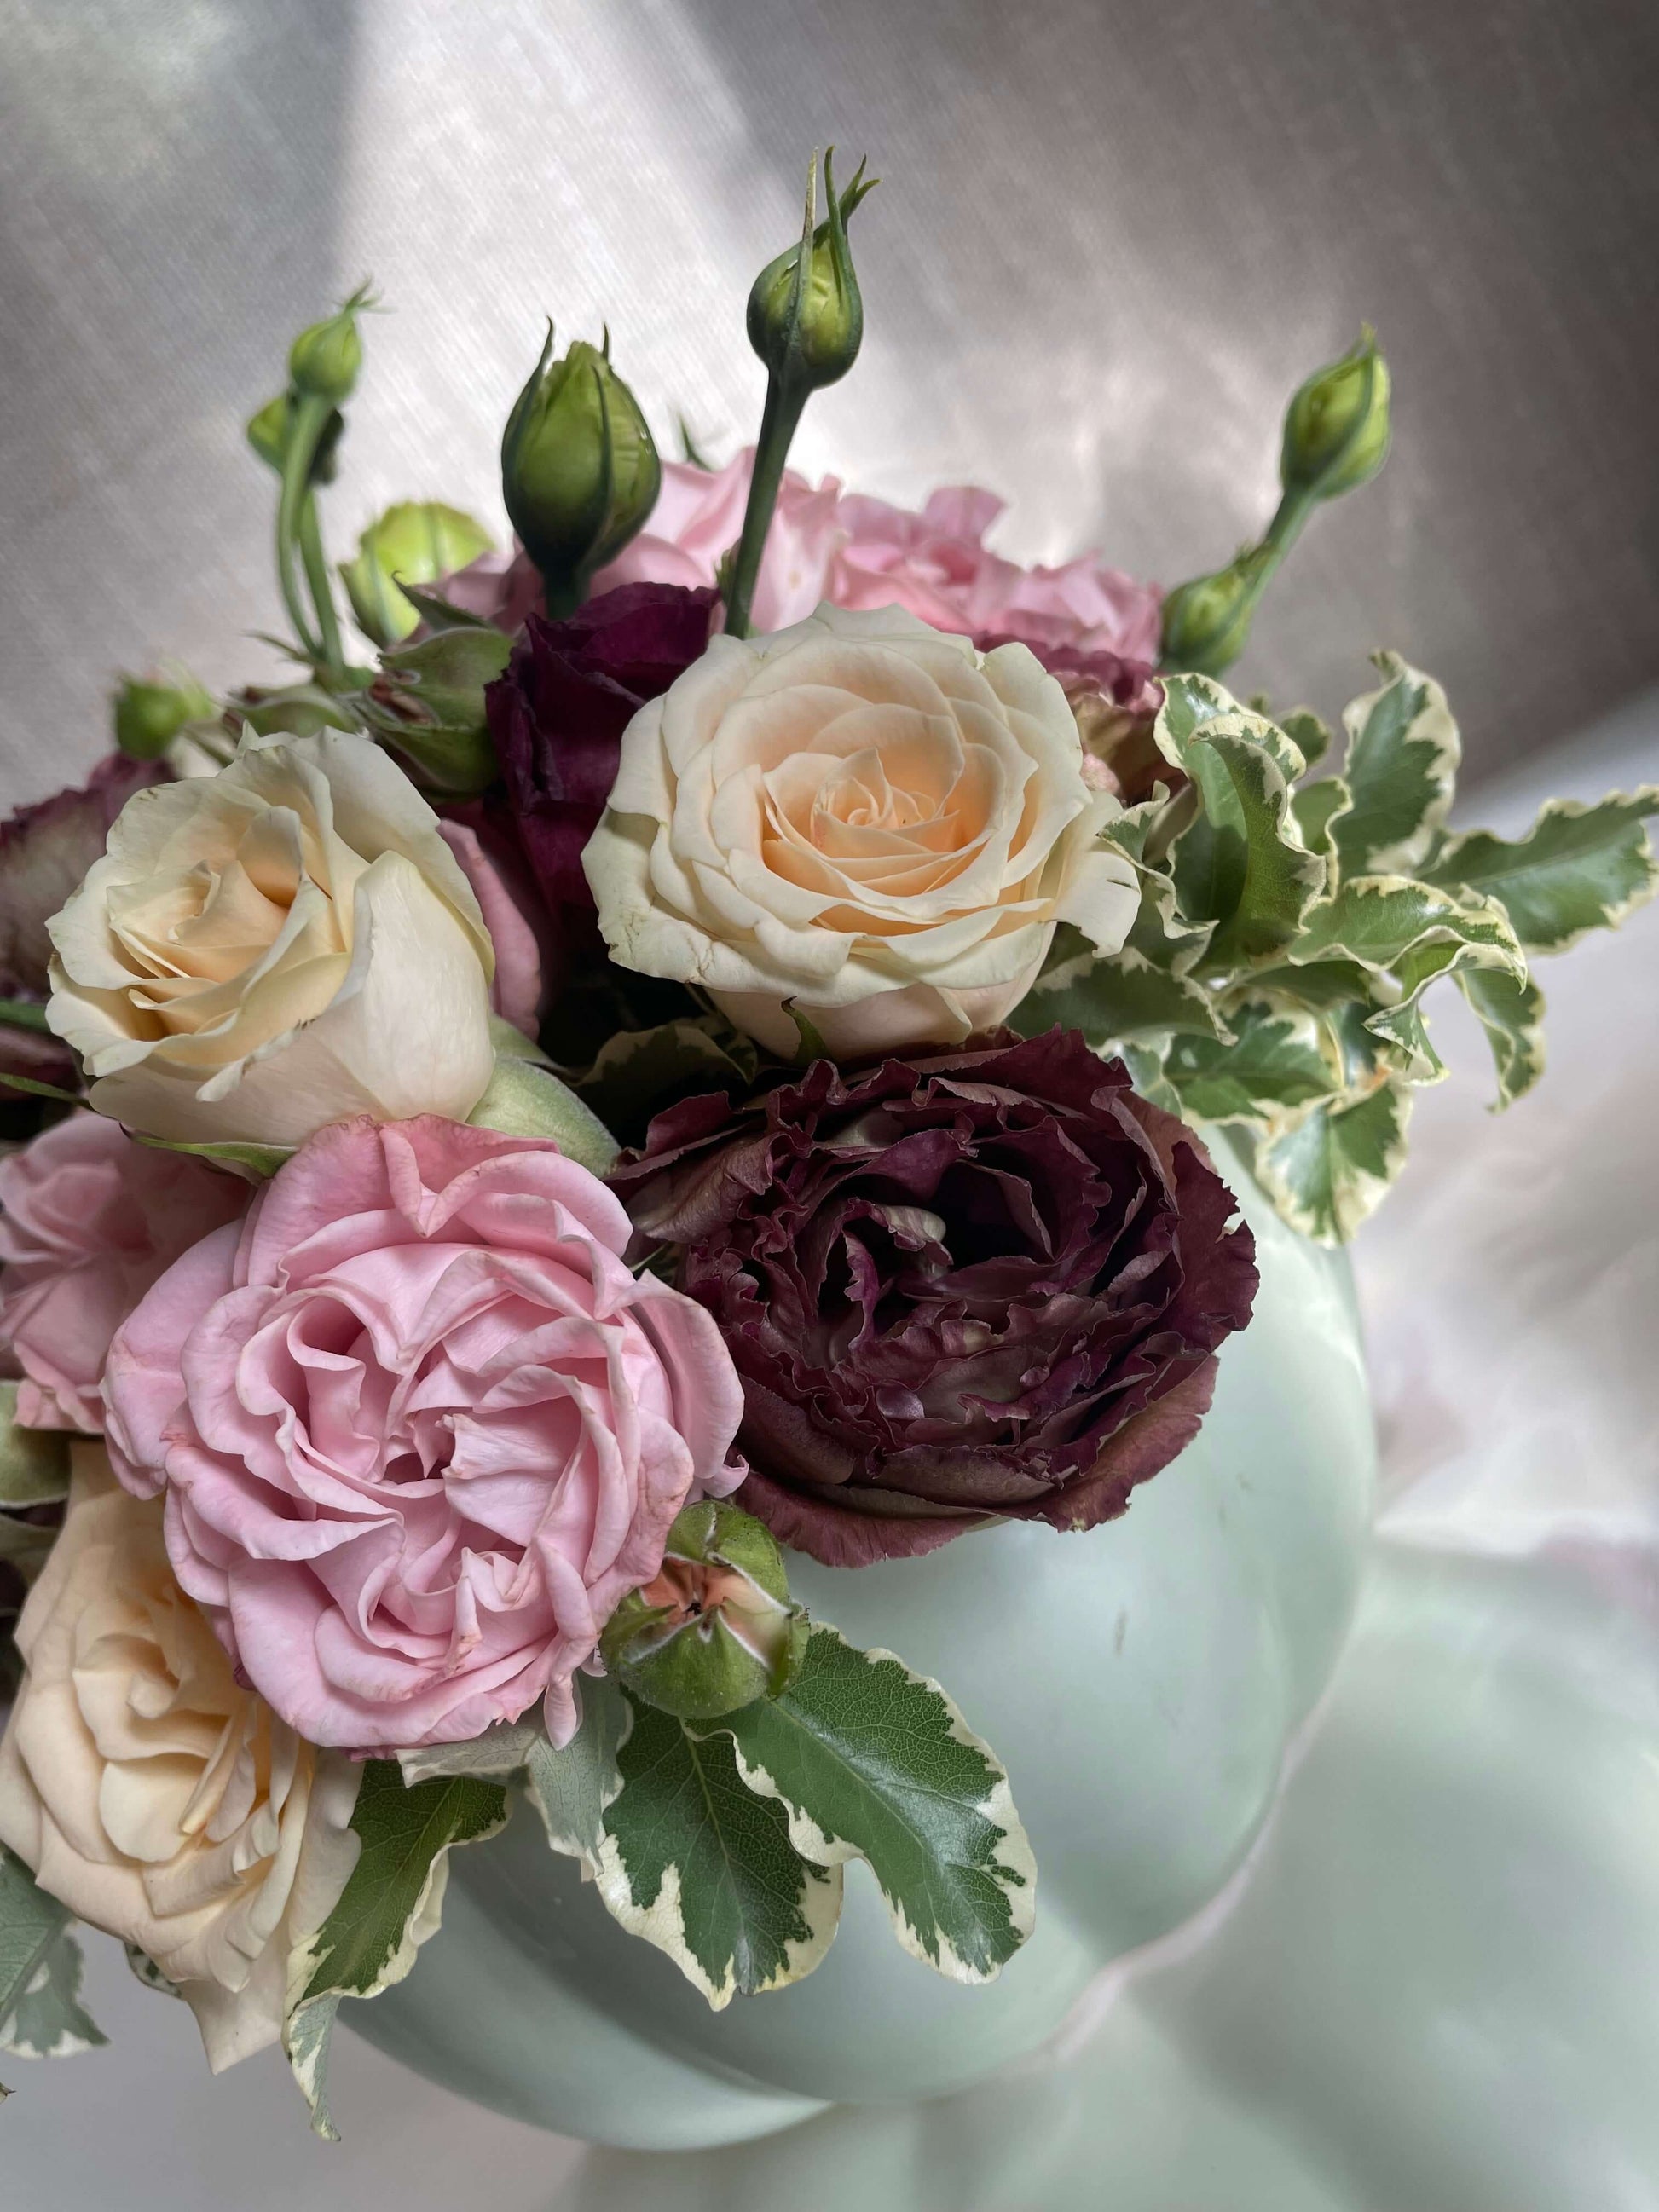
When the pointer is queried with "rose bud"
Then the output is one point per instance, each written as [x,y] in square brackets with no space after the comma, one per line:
[1206,622]
[809,334]
[324,361]
[418,541]
[149,714]
[958,1287]
[715,1629]
[579,473]
[1336,427]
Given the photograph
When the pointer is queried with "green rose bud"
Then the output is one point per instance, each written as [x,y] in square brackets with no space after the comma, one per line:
[267,433]
[808,333]
[1206,622]
[149,714]
[324,361]
[1336,427]
[416,543]
[715,1629]
[579,473]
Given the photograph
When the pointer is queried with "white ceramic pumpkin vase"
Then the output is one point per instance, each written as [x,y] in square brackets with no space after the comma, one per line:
[1141,1682]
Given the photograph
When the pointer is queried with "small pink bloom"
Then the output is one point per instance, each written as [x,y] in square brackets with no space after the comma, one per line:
[861,553]
[421,1429]
[89,1220]
[512,909]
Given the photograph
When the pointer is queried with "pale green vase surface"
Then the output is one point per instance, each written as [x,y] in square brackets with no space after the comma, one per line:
[1142,1683]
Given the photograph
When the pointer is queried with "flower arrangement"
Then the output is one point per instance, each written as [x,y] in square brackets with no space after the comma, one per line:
[725,1039]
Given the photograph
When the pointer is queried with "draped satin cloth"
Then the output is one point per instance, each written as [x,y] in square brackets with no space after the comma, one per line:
[1108,244]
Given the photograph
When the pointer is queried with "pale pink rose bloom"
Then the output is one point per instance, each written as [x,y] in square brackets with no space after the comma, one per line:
[89,1219]
[862,553]
[516,991]
[421,1429]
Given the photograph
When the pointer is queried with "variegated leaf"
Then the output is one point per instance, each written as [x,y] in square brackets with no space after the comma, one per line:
[1272,1060]
[1326,1170]
[40,2015]
[1512,1015]
[1401,766]
[1310,736]
[871,1761]
[1242,864]
[1379,920]
[1114,999]
[1578,868]
[392,1904]
[1194,706]
[695,1862]
[1317,806]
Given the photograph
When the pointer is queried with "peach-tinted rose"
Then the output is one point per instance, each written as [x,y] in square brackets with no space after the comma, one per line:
[154,1795]
[268,948]
[89,1219]
[421,1429]
[864,817]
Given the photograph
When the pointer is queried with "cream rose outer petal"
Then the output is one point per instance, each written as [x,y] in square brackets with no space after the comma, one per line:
[268,949]
[864,816]
[153,1796]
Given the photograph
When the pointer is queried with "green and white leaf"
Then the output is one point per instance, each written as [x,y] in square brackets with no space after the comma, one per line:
[1578,868]
[1146,1066]
[145,1970]
[40,2015]
[696,1862]
[872,1762]
[1161,933]
[1317,806]
[48,2021]
[1402,766]
[1378,920]
[573,1789]
[1512,1015]
[1329,1167]
[33,1462]
[1115,999]
[1310,735]
[1272,1060]
[1195,706]
[635,1070]
[1243,864]
[391,1906]
[496,1755]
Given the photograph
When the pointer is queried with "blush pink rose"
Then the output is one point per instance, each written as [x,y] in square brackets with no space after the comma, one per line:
[420,1429]
[89,1219]
[512,908]
[863,553]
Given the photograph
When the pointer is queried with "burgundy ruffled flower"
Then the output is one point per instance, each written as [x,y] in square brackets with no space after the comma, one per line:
[558,711]
[982,1282]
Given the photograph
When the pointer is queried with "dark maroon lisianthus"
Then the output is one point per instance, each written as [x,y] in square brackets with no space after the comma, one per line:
[558,711]
[45,850]
[988,1282]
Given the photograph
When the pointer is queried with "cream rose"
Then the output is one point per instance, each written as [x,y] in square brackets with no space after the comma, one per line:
[864,815]
[152,1795]
[267,950]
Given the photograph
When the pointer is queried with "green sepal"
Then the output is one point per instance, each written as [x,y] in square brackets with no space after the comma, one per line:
[525,1100]
[253,1162]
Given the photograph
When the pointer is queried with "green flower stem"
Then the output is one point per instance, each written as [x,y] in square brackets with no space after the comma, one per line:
[563,592]
[778,424]
[22,1015]
[317,577]
[308,418]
